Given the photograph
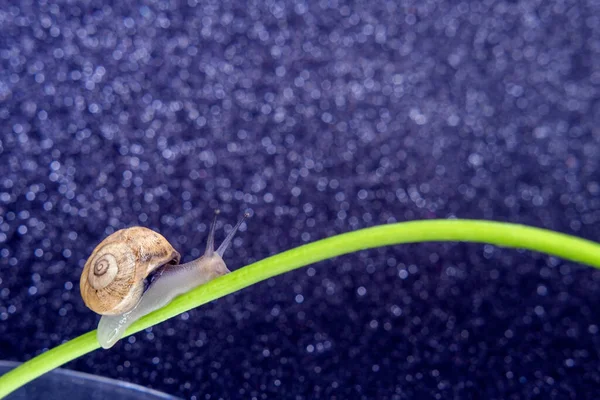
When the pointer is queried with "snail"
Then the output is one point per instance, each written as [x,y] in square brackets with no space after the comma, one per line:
[135,271]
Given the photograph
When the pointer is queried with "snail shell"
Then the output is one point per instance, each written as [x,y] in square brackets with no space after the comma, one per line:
[112,281]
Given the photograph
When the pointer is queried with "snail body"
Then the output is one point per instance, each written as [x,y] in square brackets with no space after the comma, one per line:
[135,271]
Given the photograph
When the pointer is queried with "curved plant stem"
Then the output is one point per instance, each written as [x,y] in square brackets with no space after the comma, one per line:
[497,233]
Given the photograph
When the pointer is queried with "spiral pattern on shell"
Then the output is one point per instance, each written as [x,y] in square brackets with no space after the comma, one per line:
[104,271]
[112,280]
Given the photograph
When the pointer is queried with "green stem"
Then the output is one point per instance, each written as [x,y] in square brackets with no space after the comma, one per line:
[497,233]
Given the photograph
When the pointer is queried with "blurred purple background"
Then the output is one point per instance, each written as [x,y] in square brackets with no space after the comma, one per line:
[321,117]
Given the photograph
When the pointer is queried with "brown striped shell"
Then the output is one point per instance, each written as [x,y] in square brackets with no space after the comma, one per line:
[112,281]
